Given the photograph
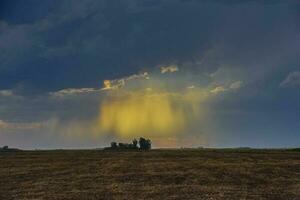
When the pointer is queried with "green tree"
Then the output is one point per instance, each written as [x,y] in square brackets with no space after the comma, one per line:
[134,142]
[113,145]
[145,144]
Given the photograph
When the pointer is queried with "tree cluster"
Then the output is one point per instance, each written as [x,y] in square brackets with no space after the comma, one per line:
[142,144]
[6,149]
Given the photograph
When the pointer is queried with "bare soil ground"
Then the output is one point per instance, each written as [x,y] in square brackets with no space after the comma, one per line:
[157,174]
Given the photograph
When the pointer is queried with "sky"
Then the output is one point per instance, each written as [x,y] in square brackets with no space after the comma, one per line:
[184,73]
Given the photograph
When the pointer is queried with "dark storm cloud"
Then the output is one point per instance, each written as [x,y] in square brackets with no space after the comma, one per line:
[50,45]
[21,12]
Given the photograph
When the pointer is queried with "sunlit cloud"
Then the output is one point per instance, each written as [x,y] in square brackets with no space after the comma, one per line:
[218,89]
[119,83]
[73,91]
[222,88]
[169,69]
[107,85]
[191,87]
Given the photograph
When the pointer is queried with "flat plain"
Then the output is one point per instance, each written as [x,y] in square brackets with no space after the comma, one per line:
[157,174]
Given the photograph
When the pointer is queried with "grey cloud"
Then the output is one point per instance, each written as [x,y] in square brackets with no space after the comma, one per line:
[292,80]
[6,93]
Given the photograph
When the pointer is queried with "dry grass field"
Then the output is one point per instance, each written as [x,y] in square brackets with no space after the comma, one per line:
[157,174]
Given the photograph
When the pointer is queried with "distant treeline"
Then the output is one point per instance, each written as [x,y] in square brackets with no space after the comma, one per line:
[141,144]
[6,149]
[294,150]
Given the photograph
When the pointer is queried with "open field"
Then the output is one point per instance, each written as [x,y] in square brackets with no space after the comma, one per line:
[158,174]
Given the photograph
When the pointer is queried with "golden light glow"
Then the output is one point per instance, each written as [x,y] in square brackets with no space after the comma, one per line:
[147,114]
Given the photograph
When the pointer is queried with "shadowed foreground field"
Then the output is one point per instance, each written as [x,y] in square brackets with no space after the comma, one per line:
[158,174]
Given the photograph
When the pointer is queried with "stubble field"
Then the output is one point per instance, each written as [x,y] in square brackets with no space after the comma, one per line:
[157,174]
